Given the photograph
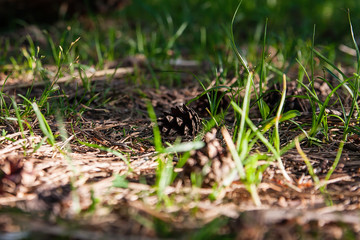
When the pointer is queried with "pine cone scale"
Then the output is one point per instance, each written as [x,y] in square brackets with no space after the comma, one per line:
[181,120]
[213,161]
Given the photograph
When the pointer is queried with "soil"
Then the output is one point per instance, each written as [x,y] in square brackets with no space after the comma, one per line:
[46,193]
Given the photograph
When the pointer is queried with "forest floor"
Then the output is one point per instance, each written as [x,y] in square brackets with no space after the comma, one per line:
[82,191]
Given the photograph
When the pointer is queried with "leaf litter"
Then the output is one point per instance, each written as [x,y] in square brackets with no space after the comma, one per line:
[79,187]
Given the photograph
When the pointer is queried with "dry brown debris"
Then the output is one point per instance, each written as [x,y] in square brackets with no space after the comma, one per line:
[16,173]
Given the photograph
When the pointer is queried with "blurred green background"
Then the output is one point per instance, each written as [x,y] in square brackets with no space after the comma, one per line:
[294,18]
[196,29]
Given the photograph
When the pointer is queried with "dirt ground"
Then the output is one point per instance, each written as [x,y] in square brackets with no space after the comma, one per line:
[47,194]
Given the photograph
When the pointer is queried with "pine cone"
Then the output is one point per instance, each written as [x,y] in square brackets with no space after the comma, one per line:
[182,120]
[213,161]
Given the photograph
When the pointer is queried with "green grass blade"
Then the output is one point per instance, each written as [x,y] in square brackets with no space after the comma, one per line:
[278,115]
[157,136]
[178,33]
[17,113]
[323,107]
[44,126]
[245,107]
[184,147]
[355,44]
[322,57]
[233,44]
[263,140]
[234,152]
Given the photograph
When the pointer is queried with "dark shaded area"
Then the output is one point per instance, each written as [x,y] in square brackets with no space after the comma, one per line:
[14,12]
